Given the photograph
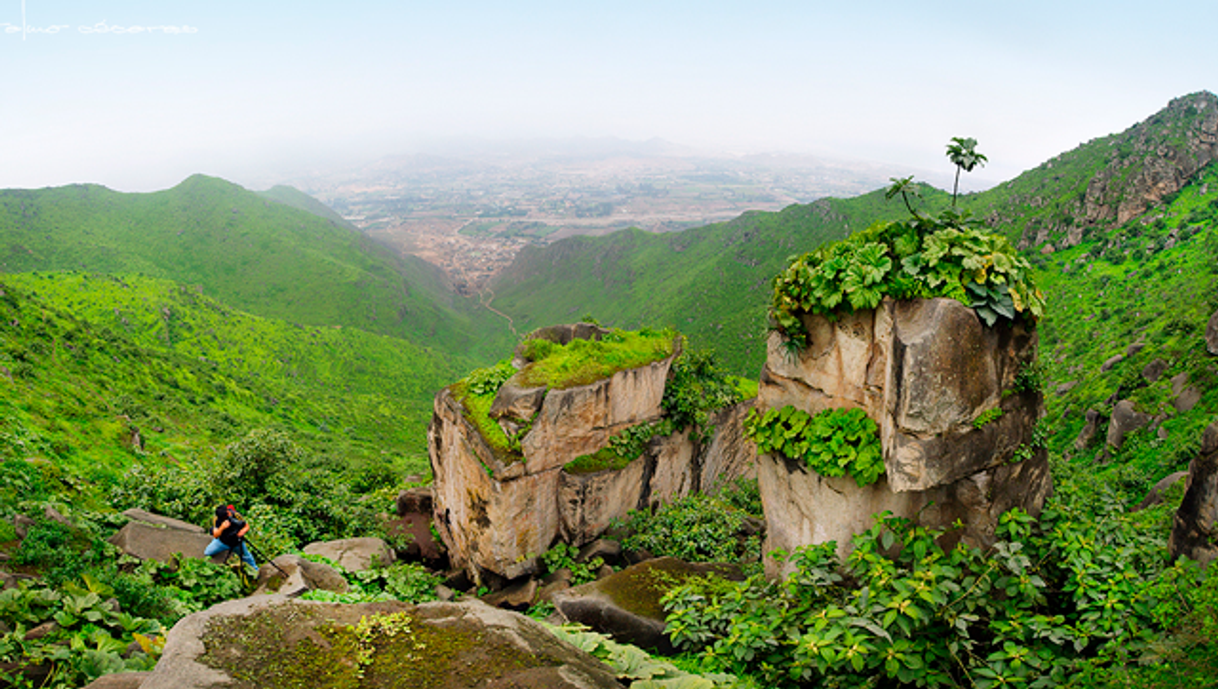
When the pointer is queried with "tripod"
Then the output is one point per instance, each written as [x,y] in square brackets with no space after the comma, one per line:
[248,581]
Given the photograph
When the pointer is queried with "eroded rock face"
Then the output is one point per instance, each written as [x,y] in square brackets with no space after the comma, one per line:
[1211,334]
[1195,527]
[256,642]
[497,513]
[924,370]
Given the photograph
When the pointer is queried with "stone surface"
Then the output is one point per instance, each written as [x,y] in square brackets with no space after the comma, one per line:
[1186,400]
[1089,429]
[1110,362]
[803,507]
[1195,526]
[496,513]
[923,370]
[150,542]
[417,500]
[1211,334]
[119,680]
[518,596]
[1125,420]
[353,554]
[1154,370]
[292,575]
[489,648]
[1155,496]
[138,515]
[626,604]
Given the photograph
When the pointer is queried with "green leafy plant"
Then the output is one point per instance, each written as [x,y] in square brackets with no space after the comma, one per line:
[920,258]
[563,556]
[696,528]
[987,416]
[833,442]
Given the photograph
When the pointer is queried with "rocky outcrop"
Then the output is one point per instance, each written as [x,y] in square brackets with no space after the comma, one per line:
[1211,334]
[1089,429]
[626,604]
[924,371]
[353,554]
[1155,496]
[271,641]
[1195,526]
[1125,420]
[292,575]
[151,536]
[496,512]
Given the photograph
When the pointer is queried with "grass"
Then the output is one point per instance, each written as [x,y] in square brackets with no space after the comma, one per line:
[601,460]
[582,362]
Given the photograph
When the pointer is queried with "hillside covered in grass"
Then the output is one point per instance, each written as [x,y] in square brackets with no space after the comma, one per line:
[243,249]
[98,373]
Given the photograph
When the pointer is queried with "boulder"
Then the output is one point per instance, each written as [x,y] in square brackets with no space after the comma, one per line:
[149,541]
[253,642]
[1155,496]
[1125,420]
[1195,526]
[21,525]
[1211,334]
[1065,387]
[1110,362]
[1089,429]
[626,604]
[517,596]
[353,554]
[1154,370]
[138,515]
[119,680]
[417,500]
[1186,400]
[292,575]
[1134,348]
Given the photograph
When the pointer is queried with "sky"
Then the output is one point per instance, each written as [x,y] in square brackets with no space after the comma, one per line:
[139,95]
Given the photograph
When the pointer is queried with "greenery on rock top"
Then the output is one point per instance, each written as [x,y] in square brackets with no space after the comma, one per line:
[920,258]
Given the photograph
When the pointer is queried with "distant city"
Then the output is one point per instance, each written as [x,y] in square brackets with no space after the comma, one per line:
[470,210]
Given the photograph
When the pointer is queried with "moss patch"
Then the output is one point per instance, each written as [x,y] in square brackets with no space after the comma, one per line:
[638,589]
[294,646]
[601,460]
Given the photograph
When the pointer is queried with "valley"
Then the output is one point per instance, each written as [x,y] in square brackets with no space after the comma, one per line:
[471,209]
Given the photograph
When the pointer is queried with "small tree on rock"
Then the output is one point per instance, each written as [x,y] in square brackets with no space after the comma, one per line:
[963,154]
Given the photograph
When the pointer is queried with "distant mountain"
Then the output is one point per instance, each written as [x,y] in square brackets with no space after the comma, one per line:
[243,249]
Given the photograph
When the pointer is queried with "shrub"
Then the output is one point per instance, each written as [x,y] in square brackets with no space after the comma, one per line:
[696,528]
[833,442]
[921,258]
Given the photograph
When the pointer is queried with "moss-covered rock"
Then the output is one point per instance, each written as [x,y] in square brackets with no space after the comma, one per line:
[278,643]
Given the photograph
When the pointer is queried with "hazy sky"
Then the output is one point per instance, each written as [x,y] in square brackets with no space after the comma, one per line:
[248,89]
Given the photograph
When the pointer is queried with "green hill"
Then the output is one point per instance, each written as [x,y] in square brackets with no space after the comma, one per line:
[88,361]
[253,253]
[291,196]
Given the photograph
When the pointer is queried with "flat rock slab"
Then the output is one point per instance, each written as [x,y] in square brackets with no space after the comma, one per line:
[153,542]
[353,554]
[626,604]
[271,642]
[120,680]
[135,514]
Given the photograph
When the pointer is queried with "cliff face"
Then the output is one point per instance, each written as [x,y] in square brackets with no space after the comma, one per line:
[925,371]
[496,518]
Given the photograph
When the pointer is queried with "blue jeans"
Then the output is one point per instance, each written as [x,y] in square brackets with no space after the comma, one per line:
[217,546]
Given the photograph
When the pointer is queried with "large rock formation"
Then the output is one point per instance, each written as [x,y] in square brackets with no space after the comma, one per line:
[925,371]
[497,513]
[1195,527]
[151,536]
[269,641]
